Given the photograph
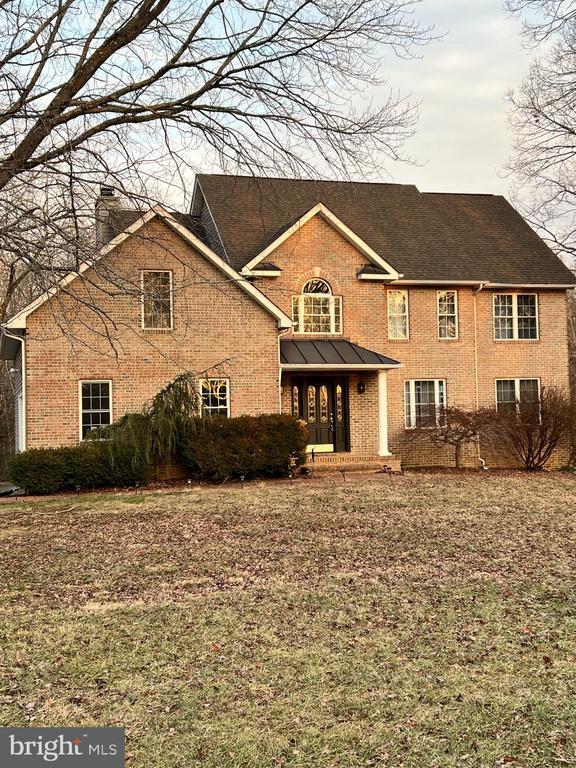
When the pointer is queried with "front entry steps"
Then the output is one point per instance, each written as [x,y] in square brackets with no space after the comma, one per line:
[345,462]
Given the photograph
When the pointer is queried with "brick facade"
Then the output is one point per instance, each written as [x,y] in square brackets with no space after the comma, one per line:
[220,330]
[469,364]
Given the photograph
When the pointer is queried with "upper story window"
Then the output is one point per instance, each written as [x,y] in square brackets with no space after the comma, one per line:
[156,299]
[447,314]
[95,406]
[215,397]
[316,310]
[397,314]
[515,316]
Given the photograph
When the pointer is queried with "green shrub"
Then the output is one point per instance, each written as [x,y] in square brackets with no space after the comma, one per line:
[38,471]
[88,465]
[211,448]
[124,465]
[251,446]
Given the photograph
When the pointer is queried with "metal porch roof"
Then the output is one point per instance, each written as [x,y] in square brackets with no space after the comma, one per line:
[330,353]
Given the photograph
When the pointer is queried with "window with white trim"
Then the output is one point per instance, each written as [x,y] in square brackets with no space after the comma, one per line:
[316,310]
[95,406]
[156,299]
[447,314]
[397,314]
[515,316]
[424,401]
[215,397]
[512,394]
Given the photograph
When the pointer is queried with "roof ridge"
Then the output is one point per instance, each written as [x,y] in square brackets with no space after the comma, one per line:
[305,181]
[464,194]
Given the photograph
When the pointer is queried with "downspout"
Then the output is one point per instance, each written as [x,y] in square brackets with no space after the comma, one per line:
[21,339]
[481,286]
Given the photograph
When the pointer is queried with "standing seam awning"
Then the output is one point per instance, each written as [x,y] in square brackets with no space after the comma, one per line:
[331,353]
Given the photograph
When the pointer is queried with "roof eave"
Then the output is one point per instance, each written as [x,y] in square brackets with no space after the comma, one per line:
[486,284]
[339,366]
[374,278]
[10,344]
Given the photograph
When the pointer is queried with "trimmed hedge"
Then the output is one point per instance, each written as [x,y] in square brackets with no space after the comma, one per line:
[219,448]
[211,449]
[88,465]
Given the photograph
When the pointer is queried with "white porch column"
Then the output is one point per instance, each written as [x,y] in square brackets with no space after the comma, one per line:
[383,413]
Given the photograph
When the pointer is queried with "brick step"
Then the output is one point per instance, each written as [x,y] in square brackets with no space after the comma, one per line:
[336,462]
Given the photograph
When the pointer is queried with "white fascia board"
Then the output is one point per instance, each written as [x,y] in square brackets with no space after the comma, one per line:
[321,210]
[266,273]
[541,286]
[375,278]
[19,320]
[441,282]
[261,272]
[486,284]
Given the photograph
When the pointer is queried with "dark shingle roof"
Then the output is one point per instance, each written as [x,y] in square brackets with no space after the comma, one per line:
[319,352]
[122,219]
[425,236]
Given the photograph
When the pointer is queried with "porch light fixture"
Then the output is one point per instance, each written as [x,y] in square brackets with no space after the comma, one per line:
[361,387]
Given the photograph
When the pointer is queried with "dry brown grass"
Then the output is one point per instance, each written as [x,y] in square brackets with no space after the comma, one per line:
[420,621]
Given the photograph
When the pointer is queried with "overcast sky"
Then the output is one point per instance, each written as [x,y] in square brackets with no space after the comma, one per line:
[462,137]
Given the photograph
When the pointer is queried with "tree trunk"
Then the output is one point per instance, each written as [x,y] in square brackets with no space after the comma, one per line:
[458,456]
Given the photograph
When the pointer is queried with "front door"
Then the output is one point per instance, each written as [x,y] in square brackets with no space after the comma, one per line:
[323,404]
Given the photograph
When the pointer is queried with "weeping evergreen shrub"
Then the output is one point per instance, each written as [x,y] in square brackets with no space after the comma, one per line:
[220,448]
[156,431]
[121,455]
[167,428]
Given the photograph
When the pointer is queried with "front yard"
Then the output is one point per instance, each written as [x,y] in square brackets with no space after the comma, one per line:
[421,621]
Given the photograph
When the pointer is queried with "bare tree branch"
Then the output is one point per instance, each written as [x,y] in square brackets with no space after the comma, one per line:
[544,122]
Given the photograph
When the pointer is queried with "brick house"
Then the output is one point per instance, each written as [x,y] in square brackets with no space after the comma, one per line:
[362,308]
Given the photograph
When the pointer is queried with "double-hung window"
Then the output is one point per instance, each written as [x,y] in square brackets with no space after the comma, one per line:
[215,397]
[515,316]
[397,314]
[447,314]
[95,406]
[513,394]
[316,310]
[157,299]
[424,401]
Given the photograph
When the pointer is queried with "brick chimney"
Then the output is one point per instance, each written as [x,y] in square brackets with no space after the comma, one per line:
[107,203]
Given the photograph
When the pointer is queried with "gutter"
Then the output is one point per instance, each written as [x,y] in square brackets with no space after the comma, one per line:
[488,283]
[440,282]
[5,346]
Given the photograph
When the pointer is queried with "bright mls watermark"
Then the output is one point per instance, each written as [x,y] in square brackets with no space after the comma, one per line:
[63,747]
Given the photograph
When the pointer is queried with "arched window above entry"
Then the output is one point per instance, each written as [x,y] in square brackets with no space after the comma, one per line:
[316,285]
[316,310]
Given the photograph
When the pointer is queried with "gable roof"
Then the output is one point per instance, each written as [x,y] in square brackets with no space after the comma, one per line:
[320,210]
[424,236]
[18,321]
[122,218]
